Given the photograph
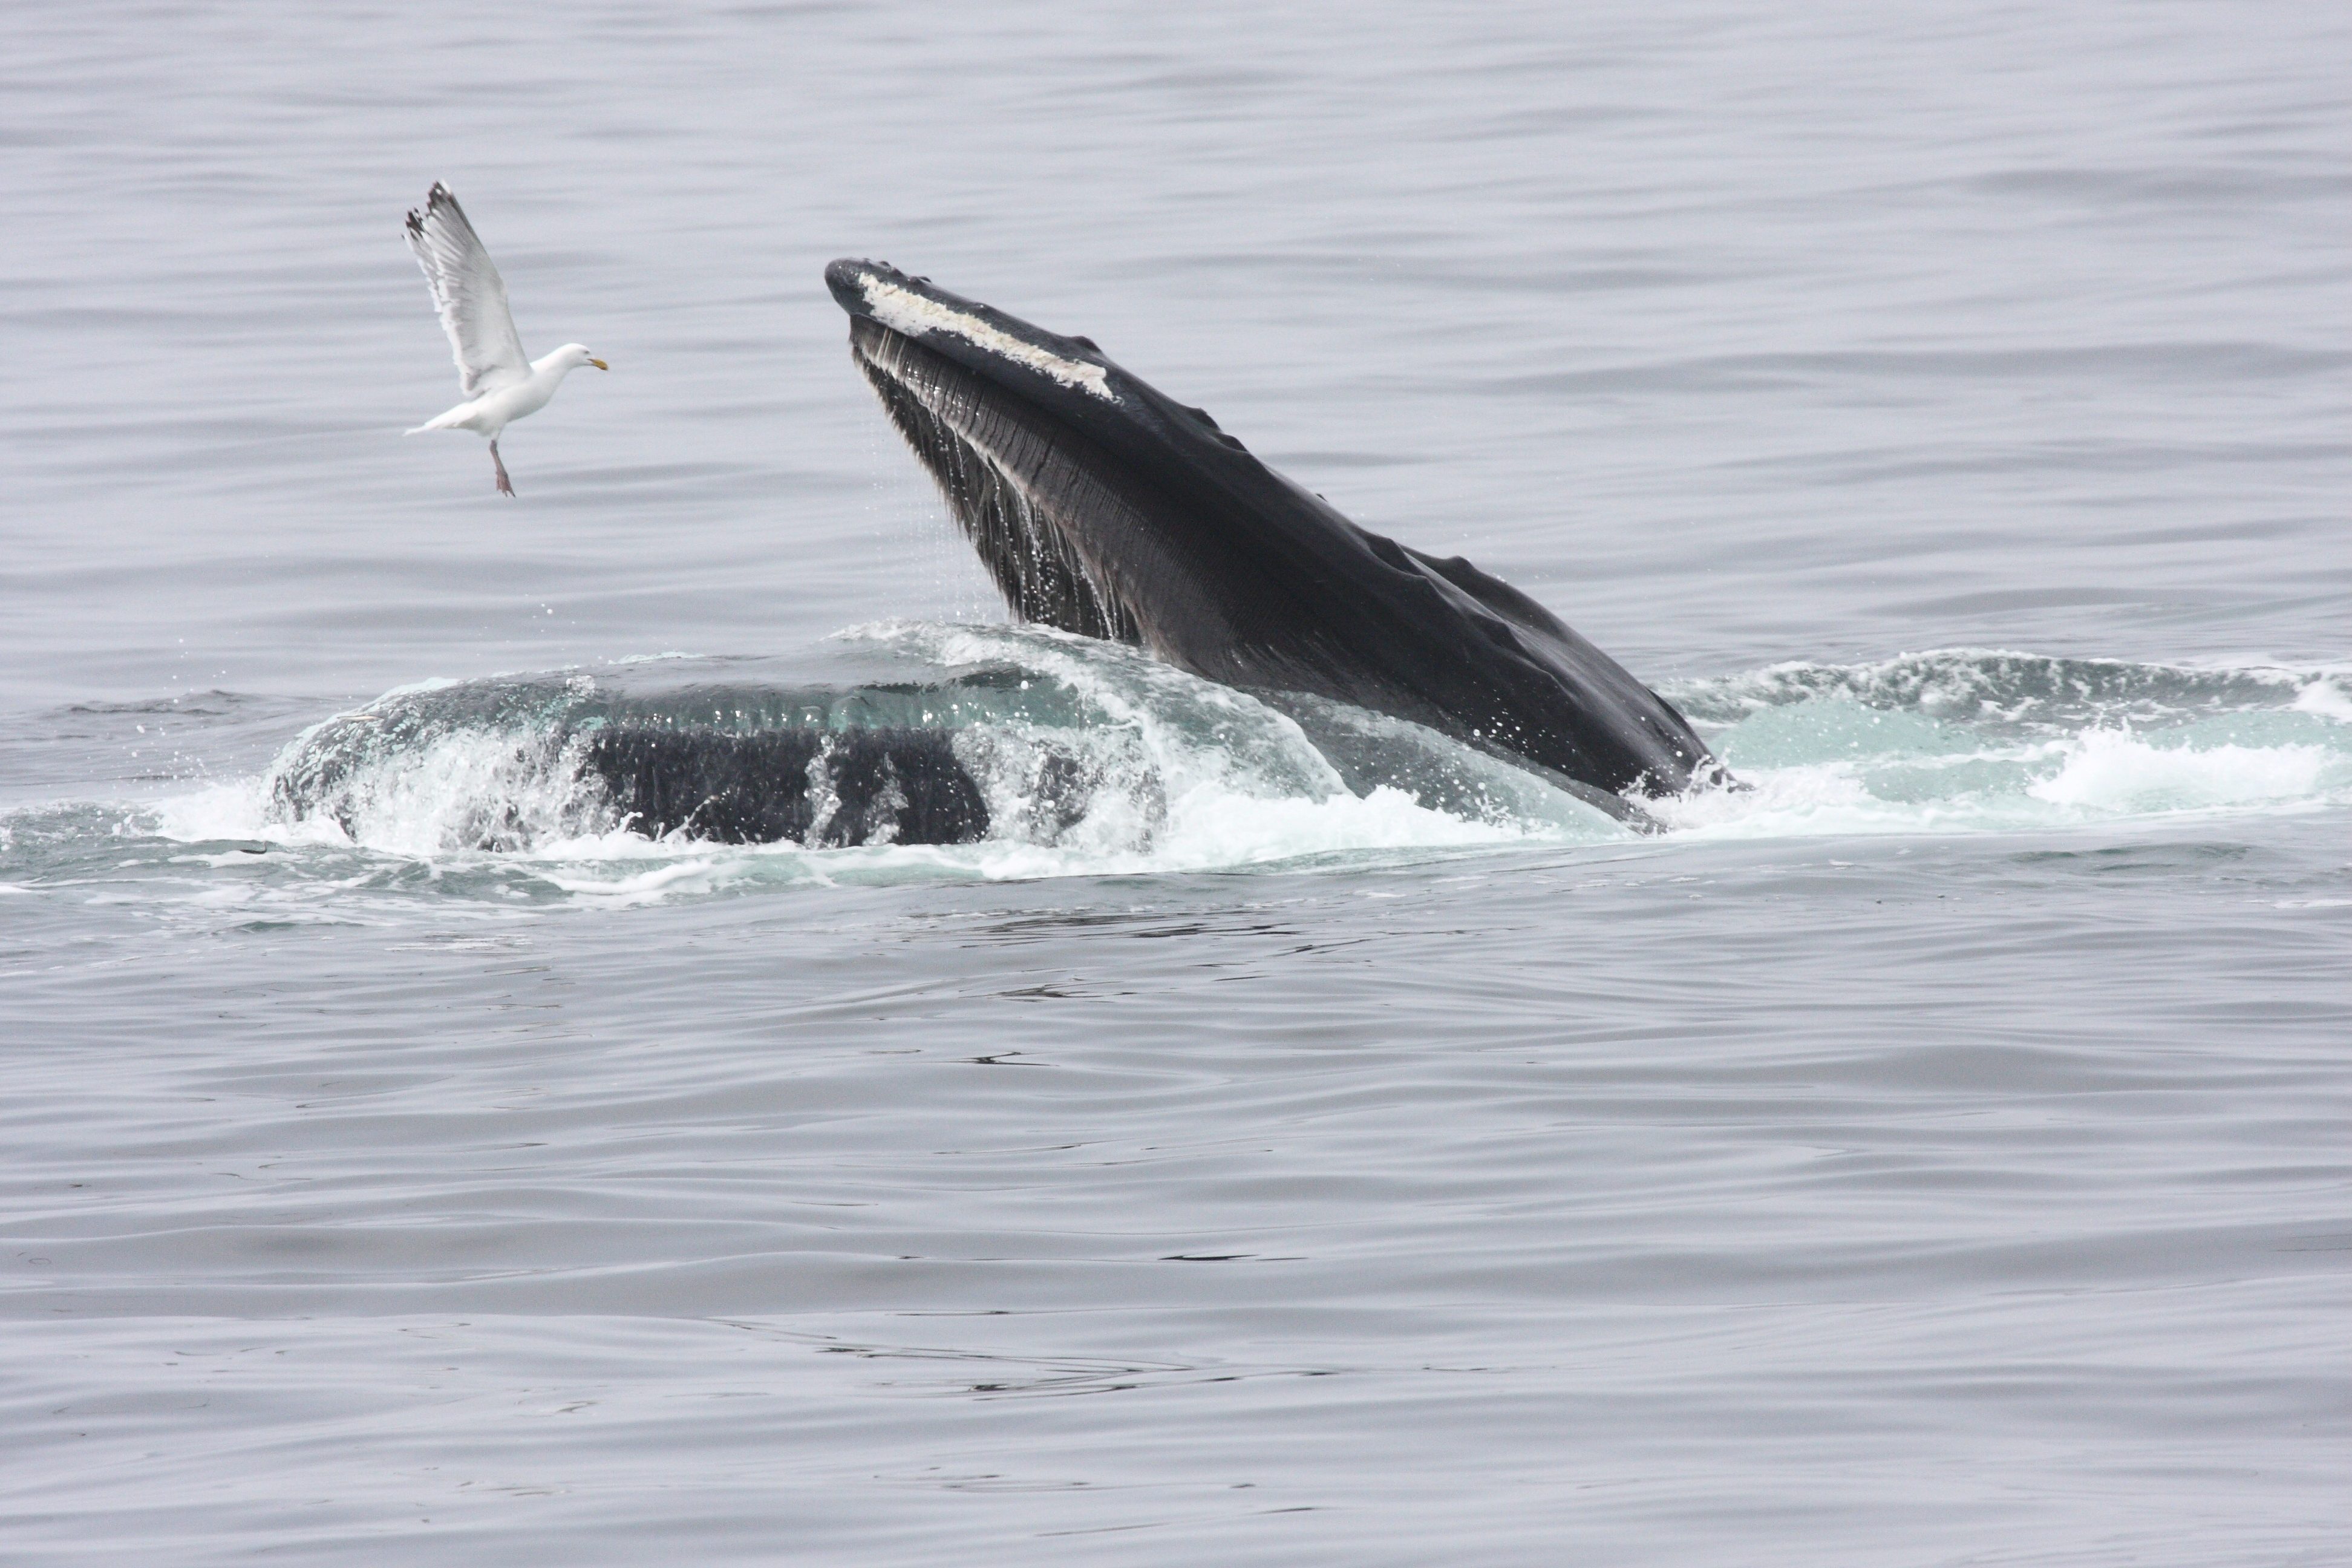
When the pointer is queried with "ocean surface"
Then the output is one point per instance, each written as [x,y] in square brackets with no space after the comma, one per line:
[1940,1153]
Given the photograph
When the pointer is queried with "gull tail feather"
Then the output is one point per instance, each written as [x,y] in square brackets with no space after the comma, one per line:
[449,420]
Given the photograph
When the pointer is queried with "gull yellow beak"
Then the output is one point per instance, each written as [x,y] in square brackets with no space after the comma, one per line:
[600,365]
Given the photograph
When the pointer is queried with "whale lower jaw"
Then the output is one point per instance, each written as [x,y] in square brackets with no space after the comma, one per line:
[825,790]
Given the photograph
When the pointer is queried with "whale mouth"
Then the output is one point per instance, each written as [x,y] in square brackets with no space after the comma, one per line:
[1025,489]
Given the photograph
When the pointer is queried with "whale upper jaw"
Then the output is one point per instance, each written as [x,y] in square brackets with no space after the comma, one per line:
[1101,506]
[914,308]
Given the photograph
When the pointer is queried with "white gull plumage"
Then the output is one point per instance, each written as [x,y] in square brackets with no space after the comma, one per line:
[501,385]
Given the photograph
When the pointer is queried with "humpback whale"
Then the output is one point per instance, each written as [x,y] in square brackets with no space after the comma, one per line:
[1102,507]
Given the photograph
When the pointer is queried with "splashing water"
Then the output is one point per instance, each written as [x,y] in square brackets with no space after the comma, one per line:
[1969,739]
[1093,759]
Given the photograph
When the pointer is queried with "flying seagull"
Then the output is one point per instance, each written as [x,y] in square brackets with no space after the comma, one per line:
[501,385]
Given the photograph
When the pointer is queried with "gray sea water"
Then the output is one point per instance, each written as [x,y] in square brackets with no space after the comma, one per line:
[1940,1154]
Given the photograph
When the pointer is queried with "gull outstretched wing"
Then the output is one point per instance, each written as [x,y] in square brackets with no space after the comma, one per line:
[470,294]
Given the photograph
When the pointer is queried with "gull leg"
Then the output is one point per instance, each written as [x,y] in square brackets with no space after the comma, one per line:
[505,487]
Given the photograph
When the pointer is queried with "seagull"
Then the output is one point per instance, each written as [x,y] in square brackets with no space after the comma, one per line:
[501,385]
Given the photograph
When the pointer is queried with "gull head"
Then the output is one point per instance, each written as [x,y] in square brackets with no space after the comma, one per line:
[572,356]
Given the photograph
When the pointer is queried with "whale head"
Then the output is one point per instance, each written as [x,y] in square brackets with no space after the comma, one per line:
[1101,506]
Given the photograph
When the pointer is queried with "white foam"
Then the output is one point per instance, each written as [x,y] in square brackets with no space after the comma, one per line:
[238,809]
[2105,774]
[424,804]
[1809,801]
[904,311]
[2116,771]
[2325,697]
[700,874]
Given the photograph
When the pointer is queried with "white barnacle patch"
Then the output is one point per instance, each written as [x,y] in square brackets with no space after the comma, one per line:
[904,311]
